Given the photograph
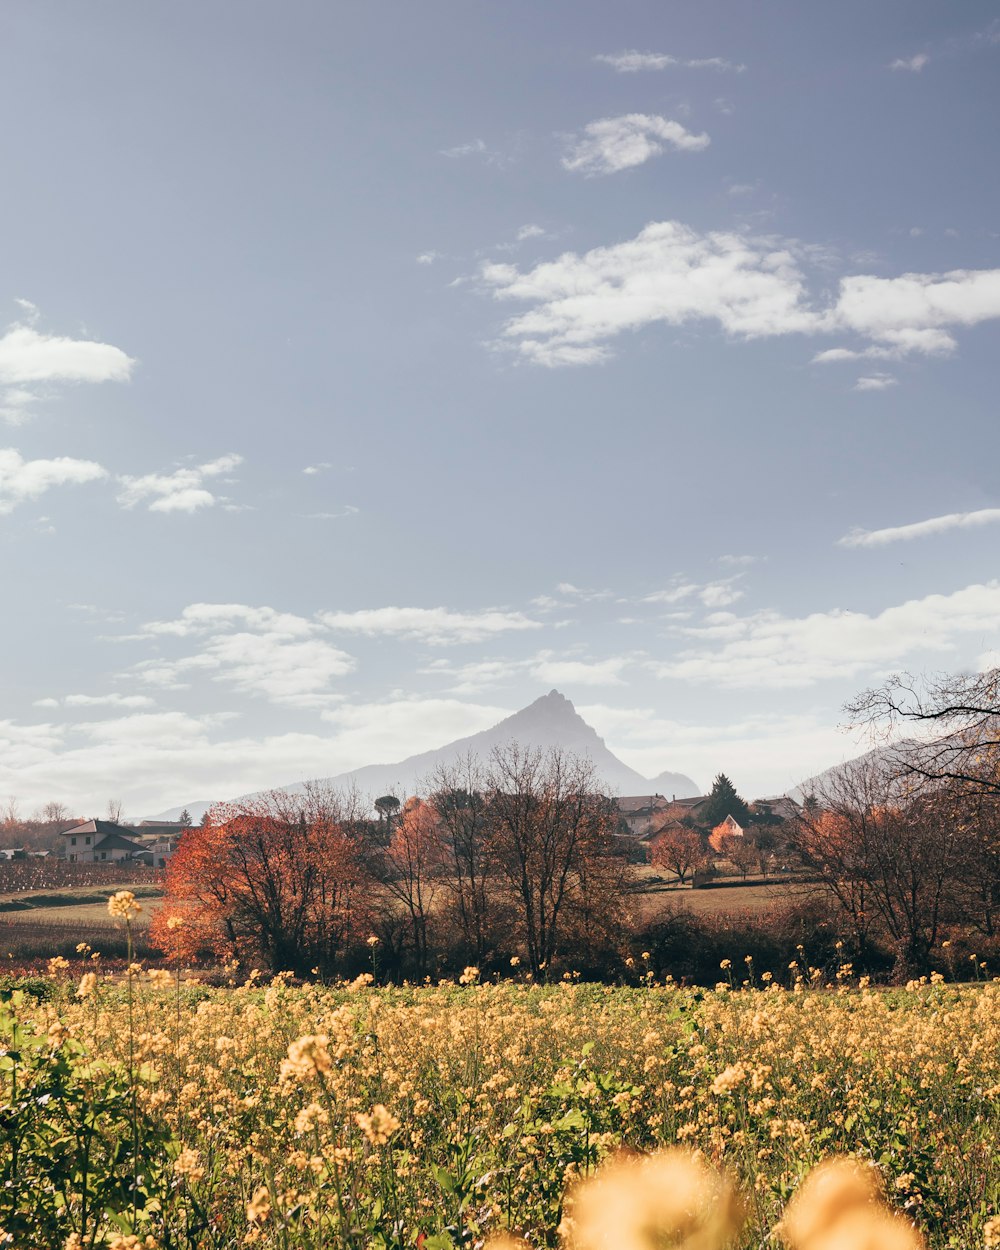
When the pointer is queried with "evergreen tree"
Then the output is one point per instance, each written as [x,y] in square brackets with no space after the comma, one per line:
[722,802]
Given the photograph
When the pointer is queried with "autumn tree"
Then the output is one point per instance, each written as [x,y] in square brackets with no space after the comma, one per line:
[679,849]
[413,862]
[278,877]
[551,836]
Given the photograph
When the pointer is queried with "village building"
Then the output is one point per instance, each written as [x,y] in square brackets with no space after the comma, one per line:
[102,842]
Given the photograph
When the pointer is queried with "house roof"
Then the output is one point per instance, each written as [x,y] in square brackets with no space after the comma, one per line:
[641,802]
[100,827]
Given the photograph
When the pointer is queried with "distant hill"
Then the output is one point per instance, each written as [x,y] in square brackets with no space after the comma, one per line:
[551,721]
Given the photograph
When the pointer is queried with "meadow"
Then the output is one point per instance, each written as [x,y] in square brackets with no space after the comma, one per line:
[142,1110]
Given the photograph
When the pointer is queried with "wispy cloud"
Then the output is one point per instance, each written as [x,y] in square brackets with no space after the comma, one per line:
[632,62]
[99,700]
[750,286]
[612,144]
[717,594]
[876,382]
[529,231]
[21,479]
[183,490]
[920,529]
[428,258]
[438,626]
[912,63]
[312,469]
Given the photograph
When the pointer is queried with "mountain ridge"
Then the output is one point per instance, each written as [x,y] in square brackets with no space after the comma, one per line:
[549,721]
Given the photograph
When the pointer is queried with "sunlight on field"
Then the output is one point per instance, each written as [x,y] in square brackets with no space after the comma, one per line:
[350,1115]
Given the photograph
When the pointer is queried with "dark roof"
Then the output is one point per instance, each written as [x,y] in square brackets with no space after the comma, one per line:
[640,802]
[103,828]
[111,840]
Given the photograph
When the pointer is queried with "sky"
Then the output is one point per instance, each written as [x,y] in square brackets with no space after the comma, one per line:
[368,370]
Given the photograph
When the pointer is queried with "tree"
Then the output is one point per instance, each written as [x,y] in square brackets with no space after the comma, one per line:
[723,801]
[957,718]
[278,877]
[889,854]
[185,819]
[412,874]
[679,849]
[551,836]
[458,798]
[114,811]
[742,853]
[387,807]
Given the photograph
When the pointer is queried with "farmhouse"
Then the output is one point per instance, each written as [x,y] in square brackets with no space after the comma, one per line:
[102,842]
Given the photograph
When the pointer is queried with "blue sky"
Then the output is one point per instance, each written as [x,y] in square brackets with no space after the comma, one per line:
[368,370]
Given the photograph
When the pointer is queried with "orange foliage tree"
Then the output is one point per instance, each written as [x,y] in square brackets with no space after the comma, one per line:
[279,877]
[413,868]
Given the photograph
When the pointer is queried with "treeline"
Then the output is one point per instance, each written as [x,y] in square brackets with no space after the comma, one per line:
[517,865]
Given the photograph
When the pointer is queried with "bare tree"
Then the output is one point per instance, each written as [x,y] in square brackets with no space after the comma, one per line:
[457,792]
[889,854]
[114,811]
[957,721]
[551,835]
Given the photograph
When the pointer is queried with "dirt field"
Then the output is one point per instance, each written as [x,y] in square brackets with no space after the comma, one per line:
[754,895]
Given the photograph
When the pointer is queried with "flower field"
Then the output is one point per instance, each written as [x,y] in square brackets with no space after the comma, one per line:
[138,1111]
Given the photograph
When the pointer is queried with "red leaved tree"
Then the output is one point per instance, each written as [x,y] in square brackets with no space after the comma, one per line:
[279,877]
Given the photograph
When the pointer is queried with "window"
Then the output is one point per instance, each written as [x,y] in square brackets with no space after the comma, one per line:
[72,858]
[104,855]
[72,842]
[87,840]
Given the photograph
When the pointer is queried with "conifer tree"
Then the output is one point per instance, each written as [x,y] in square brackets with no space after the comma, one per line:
[722,802]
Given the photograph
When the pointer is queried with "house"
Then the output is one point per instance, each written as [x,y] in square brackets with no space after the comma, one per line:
[639,812]
[101,841]
[777,807]
[728,828]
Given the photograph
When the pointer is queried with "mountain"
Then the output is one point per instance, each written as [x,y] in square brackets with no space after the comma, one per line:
[551,721]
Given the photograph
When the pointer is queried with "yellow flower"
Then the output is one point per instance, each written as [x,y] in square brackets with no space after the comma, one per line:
[641,1202]
[373,940]
[160,978]
[307,1057]
[379,1126]
[469,977]
[88,983]
[175,922]
[123,905]
[259,1206]
[729,1078]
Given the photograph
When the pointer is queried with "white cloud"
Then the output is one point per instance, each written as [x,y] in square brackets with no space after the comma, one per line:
[31,363]
[312,469]
[476,148]
[770,650]
[345,510]
[437,626]
[876,382]
[749,286]
[920,529]
[530,231]
[740,560]
[616,143]
[183,490]
[913,63]
[254,651]
[632,62]
[555,672]
[22,479]
[428,258]
[99,700]
[29,356]
[717,594]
